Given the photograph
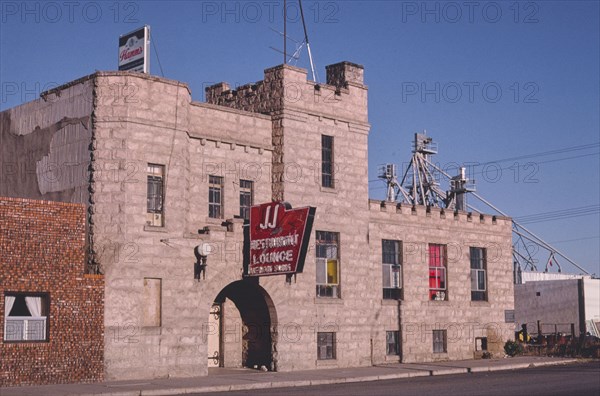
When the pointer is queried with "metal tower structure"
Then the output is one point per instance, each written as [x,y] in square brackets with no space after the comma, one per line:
[420,185]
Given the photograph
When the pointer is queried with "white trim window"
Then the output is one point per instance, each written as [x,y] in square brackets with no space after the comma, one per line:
[478,274]
[25,317]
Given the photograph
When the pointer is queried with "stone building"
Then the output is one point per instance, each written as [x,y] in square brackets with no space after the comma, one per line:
[168,181]
[52,313]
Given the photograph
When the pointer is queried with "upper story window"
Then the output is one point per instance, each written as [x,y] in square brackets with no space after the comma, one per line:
[246,198]
[155,195]
[215,197]
[438,264]
[478,274]
[25,317]
[328,265]
[327,173]
[391,260]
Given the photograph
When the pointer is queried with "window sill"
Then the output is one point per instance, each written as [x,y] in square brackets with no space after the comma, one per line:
[328,300]
[330,190]
[150,228]
[330,363]
[480,303]
[392,358]
[214,220]
[438,302]
[390,301]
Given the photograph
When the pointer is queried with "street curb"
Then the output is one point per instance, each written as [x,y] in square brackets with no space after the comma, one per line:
[331,381]
[270,384]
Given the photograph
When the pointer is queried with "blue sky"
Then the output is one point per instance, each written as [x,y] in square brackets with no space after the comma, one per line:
[488,80]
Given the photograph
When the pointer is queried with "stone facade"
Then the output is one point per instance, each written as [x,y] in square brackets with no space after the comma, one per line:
[270,133]
[42,252]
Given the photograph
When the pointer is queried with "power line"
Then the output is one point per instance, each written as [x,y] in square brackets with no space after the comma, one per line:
[559,214]
[577,239]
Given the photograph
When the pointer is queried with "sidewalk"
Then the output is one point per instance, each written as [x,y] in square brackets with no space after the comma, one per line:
[245,379]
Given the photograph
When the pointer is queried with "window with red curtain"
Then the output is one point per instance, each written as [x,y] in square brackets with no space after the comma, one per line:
[437,272]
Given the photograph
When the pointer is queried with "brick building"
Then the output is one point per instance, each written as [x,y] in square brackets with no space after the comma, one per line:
[52,327]
[163,177]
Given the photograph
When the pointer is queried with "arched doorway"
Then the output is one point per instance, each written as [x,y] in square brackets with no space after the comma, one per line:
[251,343]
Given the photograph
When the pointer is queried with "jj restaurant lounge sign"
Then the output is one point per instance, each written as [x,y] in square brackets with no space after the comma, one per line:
[278,238]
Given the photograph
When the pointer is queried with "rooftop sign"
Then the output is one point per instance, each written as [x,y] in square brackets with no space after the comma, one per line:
[134,50]
[277,239]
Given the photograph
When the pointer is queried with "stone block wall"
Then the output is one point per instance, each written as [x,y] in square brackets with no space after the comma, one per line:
[42,251]
[463,319]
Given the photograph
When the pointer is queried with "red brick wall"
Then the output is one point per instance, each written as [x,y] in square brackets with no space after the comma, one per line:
[42,249]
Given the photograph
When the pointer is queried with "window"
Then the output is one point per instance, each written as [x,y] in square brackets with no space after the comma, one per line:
[327,161]
[328,266]
[25,317]
[391,259]
[155,195]
[439,341]
[481,343]
[325,346]
[437,272]
[215,197]
[392,345]
[478,274]
[246,198]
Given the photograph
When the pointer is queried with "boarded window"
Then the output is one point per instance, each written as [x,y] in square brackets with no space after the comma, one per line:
[152,302]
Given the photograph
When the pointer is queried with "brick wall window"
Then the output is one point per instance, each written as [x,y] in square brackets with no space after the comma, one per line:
[215,197]
[328,264]
[327,174]
[246,198]
[478,273]
[392,342]
[440,344]
[155,195]
[391,260]
[26,317]
[325,345]
[438,264]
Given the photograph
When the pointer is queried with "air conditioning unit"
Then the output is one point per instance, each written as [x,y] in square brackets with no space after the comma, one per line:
[154,219]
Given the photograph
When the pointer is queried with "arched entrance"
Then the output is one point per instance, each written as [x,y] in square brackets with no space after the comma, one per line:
[243,316]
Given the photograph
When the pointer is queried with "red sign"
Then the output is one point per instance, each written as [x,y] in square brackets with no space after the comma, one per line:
[277,239]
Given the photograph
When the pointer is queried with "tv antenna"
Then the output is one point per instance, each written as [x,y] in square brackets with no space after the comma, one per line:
[299,44]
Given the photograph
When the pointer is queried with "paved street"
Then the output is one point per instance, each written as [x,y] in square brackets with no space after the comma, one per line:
[575,379]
